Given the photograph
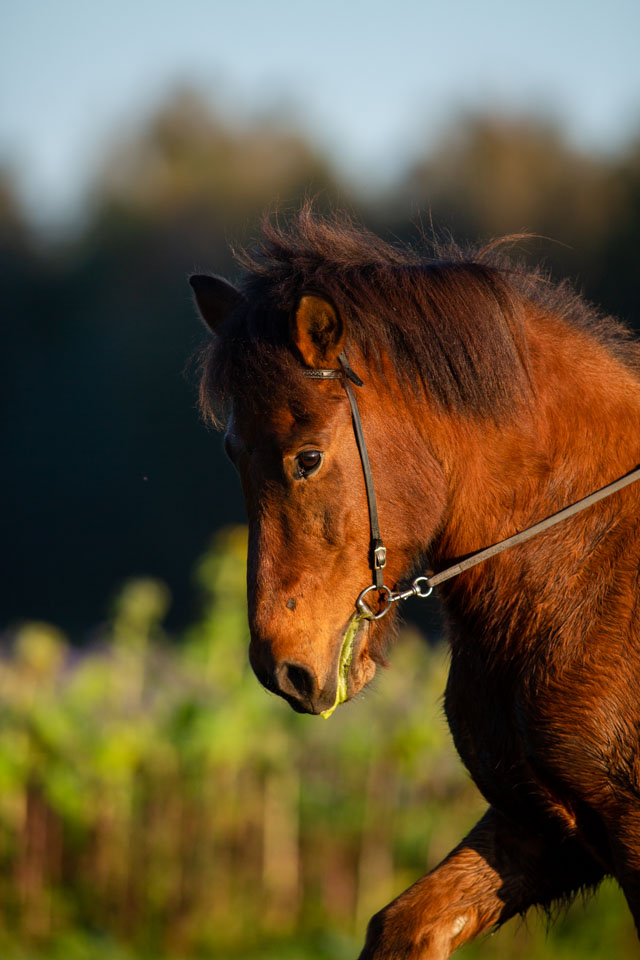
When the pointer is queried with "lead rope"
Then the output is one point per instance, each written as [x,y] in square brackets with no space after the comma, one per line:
[422,586]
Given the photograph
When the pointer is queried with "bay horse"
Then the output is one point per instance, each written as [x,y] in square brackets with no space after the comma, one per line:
[488,399]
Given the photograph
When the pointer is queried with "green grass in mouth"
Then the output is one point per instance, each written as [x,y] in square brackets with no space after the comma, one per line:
[346,654]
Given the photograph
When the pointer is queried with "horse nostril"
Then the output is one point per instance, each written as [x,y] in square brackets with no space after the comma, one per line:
[296,679]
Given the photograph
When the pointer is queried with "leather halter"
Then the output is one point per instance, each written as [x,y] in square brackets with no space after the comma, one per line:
[378,551]
[423,585]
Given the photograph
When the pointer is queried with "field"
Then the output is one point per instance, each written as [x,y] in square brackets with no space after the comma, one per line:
[156,802]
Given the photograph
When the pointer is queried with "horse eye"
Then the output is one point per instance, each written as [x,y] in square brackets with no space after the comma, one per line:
[307,462]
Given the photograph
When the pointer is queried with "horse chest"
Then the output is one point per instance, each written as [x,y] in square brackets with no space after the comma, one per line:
[553,755]
[486,725]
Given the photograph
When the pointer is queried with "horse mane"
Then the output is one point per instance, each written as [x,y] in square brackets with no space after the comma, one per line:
[450,319]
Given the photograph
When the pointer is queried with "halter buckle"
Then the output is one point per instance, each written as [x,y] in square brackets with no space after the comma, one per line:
[379,557]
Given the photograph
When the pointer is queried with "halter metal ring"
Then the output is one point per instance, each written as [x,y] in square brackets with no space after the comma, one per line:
[422,592]
[365,610]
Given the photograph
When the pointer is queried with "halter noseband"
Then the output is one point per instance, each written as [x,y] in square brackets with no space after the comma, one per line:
[422,586]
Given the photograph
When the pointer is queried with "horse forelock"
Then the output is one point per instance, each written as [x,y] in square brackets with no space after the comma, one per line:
[251,365]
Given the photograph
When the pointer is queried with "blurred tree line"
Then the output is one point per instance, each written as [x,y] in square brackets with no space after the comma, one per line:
[156,802]
[107,471]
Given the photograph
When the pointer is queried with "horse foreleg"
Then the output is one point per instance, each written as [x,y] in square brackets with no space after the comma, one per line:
[497,871]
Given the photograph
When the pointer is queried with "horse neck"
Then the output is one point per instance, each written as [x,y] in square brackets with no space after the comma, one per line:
[580,431]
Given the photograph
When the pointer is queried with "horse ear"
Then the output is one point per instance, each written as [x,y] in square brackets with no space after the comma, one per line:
[318,331]
[215,298]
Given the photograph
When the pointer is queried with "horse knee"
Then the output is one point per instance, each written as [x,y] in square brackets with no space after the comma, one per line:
[399,932]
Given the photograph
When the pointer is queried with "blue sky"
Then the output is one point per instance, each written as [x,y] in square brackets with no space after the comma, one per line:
[372,82]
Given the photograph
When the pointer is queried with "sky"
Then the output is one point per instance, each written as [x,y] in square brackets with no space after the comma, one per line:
[373,83]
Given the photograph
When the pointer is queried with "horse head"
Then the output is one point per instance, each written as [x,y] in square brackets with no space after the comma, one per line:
[291,438]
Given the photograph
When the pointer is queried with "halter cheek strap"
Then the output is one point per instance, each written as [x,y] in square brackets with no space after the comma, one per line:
[378,551]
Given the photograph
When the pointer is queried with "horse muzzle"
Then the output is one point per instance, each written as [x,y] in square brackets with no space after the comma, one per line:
[312,688]
[296,682]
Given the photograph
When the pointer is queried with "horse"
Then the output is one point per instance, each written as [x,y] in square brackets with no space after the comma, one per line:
[488,397]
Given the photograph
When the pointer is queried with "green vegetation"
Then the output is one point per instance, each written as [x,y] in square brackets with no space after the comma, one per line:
[156,802]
